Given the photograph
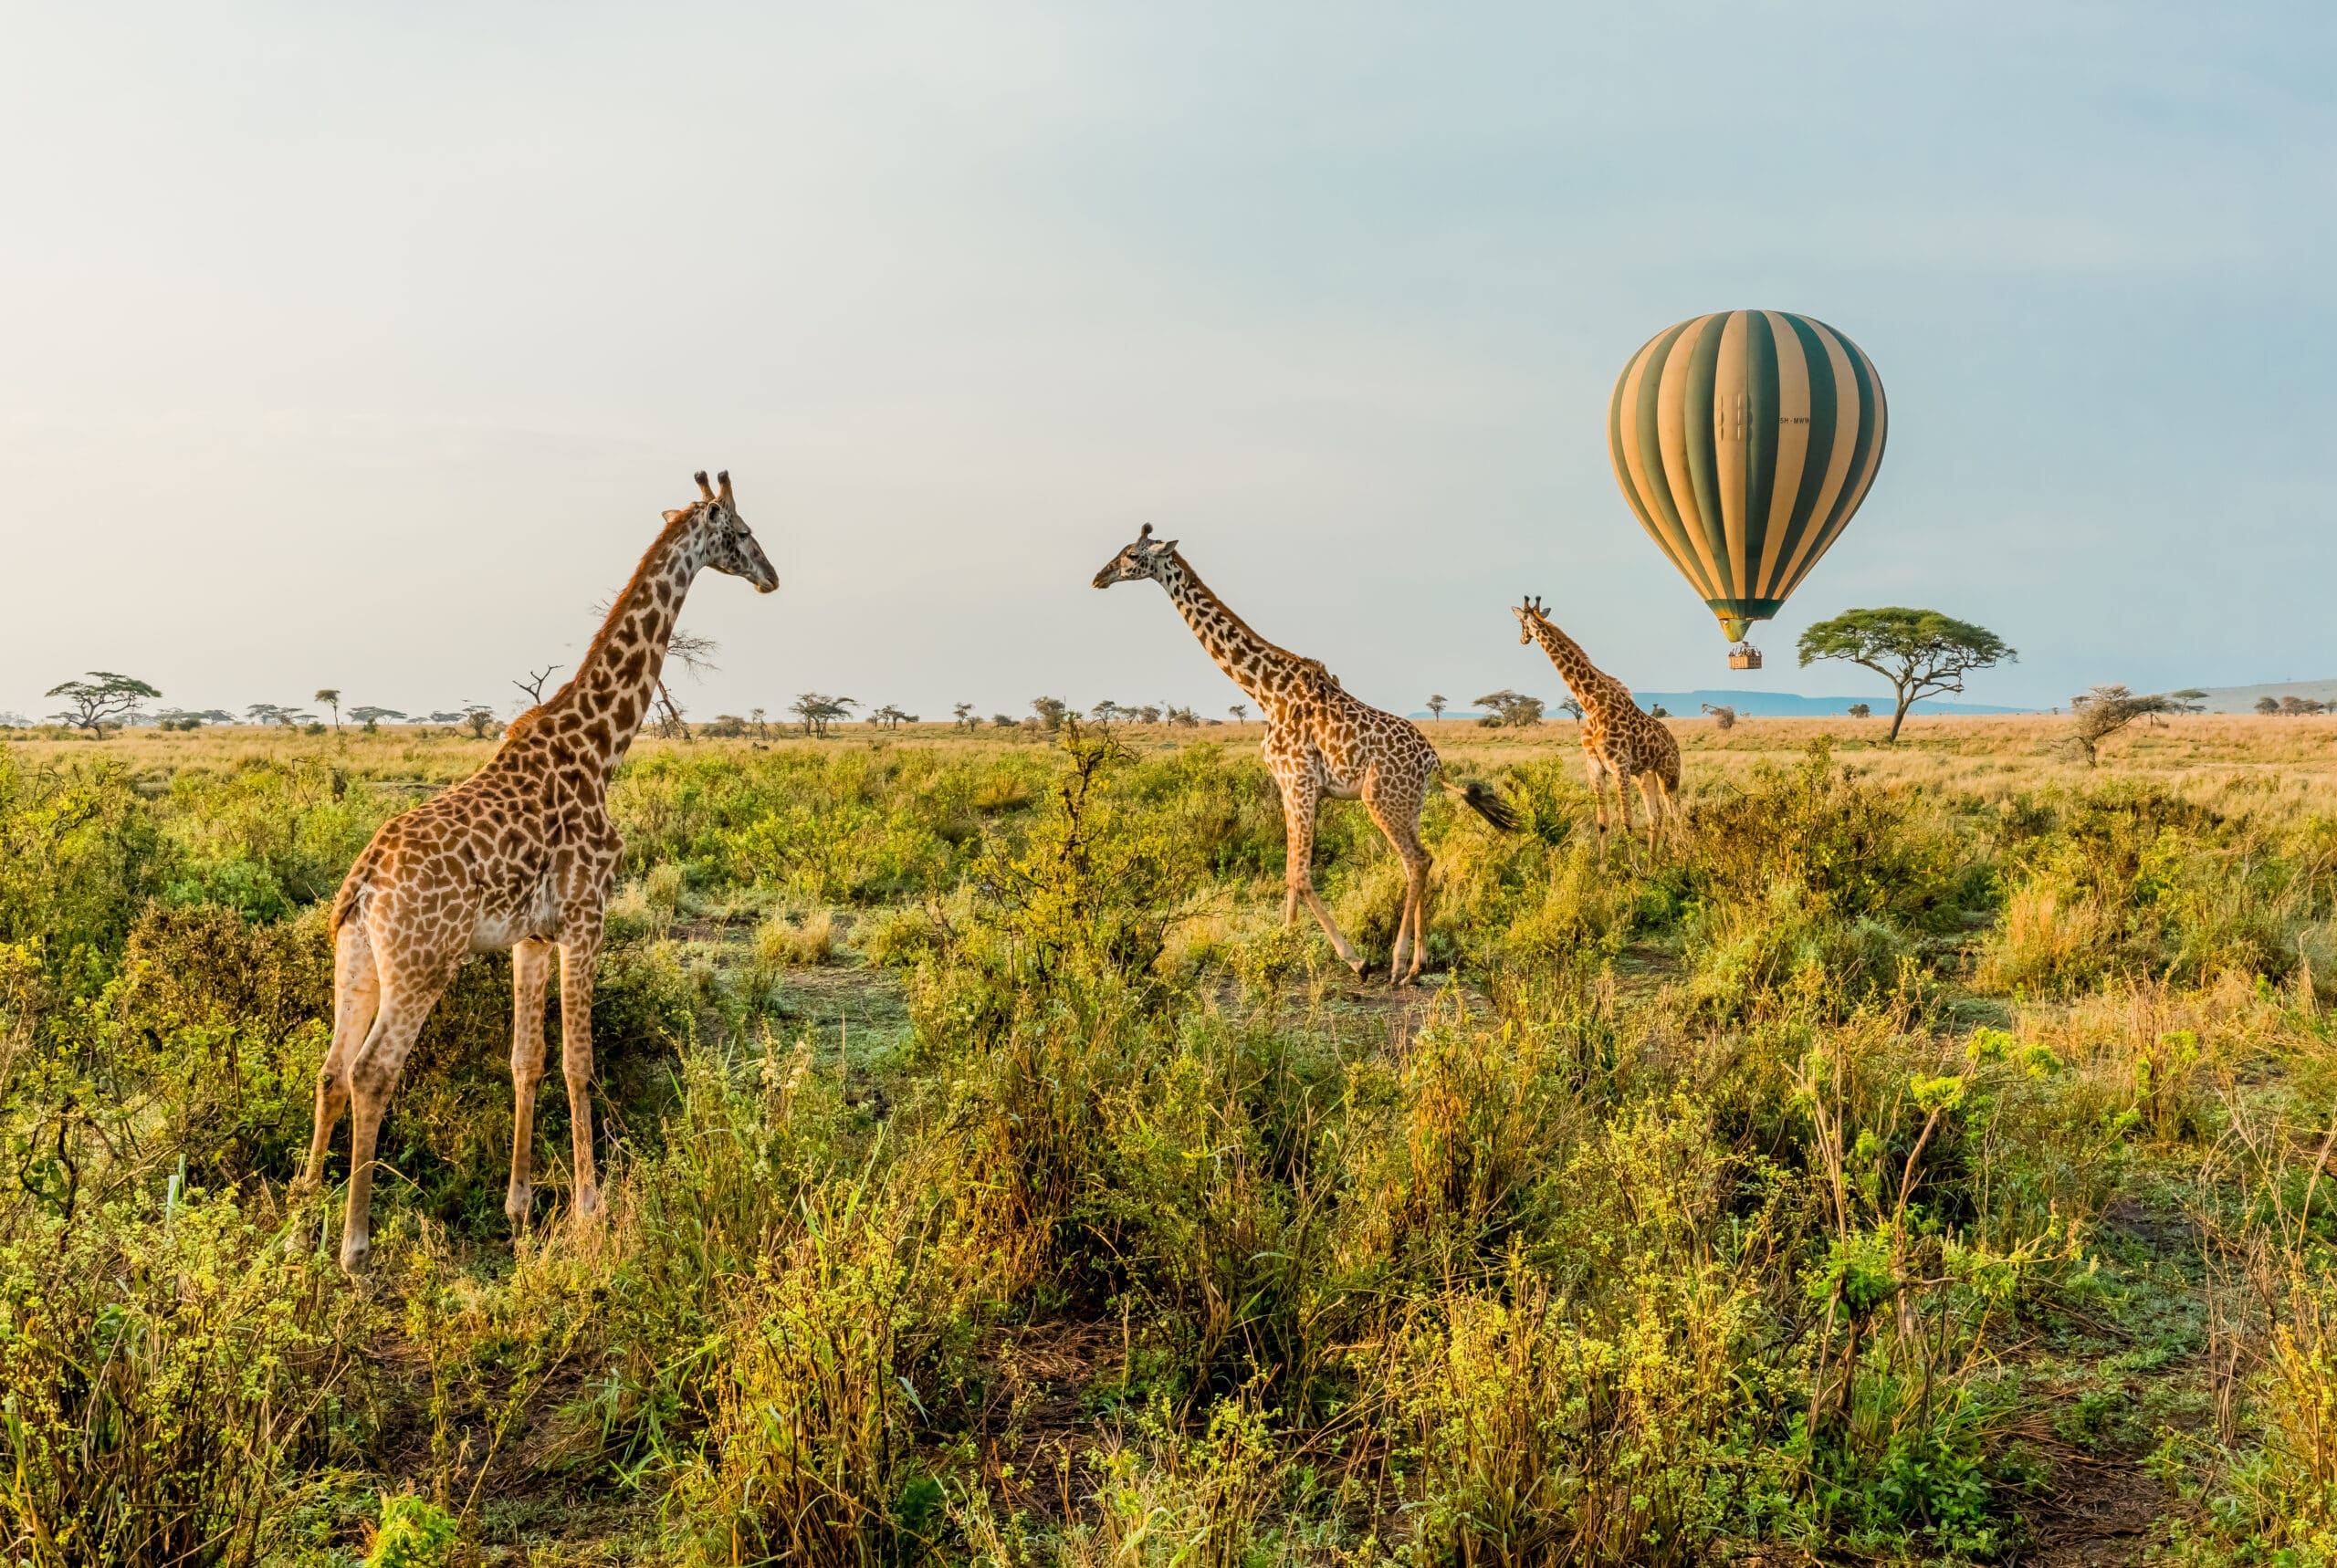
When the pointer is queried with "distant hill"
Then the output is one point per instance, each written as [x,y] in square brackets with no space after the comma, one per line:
[2243,699]
[1786,705]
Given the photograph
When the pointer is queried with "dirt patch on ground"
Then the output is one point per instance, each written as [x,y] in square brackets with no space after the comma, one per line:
[2096,1513]
[1037,1424]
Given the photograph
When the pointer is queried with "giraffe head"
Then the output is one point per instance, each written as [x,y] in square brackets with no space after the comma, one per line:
[1527,614]
[1145,558]
[730,545]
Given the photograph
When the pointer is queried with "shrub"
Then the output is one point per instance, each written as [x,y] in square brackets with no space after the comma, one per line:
[413,1533]
[809,1455]
[165,1369]
[1546,1433]
[781,942]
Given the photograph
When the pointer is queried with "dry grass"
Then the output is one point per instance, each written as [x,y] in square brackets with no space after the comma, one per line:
[2024,750]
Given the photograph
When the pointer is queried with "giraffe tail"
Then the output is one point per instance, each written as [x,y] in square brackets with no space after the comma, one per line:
[1482,798]
[344,902]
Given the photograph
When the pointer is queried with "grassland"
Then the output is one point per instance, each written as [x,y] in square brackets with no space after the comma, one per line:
[1921,1159]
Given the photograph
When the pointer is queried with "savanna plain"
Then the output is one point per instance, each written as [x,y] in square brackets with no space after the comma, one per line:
[1921,1156]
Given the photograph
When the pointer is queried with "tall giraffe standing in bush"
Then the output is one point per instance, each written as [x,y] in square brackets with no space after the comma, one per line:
[1616,738]
[1319,742]
[518,855]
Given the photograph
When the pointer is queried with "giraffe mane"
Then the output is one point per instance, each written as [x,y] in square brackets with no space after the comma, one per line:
[1235,616]
[651,559]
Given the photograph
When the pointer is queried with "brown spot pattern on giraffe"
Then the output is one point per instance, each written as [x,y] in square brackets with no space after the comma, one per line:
[520,854]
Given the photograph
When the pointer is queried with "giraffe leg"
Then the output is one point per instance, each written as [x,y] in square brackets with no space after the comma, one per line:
[356,997]
[579,959]
[531,972]
[1402,828]
[1623,800]
[1651,798]
[1300,799]
[372,1074]
[1596,770]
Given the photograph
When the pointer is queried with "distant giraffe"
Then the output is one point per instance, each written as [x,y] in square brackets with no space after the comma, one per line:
[518,855]
[1319,742]
[1616,738]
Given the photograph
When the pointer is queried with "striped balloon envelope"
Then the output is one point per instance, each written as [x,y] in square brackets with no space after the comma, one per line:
[1744,441]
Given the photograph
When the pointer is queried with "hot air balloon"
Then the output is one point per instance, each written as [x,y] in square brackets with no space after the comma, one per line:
[1745,440]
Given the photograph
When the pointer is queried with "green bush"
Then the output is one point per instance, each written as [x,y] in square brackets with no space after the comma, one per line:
[167,1372]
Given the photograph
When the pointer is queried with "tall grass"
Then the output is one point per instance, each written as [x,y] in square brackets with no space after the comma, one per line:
[1759,1192]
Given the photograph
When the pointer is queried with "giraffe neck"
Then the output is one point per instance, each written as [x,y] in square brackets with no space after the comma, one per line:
[1585,680]
[609,696]
[1259,667]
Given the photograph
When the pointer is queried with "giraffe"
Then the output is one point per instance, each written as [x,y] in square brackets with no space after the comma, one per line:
[1319,742]
[1616,738]
[518,855]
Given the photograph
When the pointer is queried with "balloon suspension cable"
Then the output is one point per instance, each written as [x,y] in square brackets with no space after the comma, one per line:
[1744,656]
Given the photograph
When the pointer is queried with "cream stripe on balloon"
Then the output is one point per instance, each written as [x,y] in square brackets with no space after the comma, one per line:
[1636,481]
[1732,399]
[1793,449]
[1854,491]
[1672,414]
[1837,462]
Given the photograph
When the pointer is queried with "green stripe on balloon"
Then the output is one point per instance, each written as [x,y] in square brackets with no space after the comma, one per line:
[1704,461]
[1658,493]
[1623,472]
[1823,407]
[1762,400]
[1864,452]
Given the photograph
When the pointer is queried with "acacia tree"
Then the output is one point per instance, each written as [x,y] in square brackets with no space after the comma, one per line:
[1437,704]
[2105,710]
[331,697]
[1239,711]
[1919,652]
[1571,708]
[818,711]
[1511,710]
[105,698]
[371,717]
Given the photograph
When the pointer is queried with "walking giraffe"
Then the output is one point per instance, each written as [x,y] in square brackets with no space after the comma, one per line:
[1319,742]
[1616,738]
[518,855]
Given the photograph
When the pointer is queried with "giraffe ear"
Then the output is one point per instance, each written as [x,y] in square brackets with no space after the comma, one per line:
[676,517]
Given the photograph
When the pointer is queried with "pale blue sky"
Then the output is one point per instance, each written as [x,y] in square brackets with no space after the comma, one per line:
[364,348]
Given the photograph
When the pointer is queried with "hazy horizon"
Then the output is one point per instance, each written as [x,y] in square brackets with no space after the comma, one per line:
[363,351]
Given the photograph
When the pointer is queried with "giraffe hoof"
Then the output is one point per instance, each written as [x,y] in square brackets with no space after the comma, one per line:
[1362,968]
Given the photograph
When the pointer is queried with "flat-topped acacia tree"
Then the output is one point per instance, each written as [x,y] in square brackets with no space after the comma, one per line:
[1919,652]
[105,698]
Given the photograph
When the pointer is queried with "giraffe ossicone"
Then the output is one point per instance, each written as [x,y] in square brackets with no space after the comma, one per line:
[1618,738]
[520,855]
[1320,743]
